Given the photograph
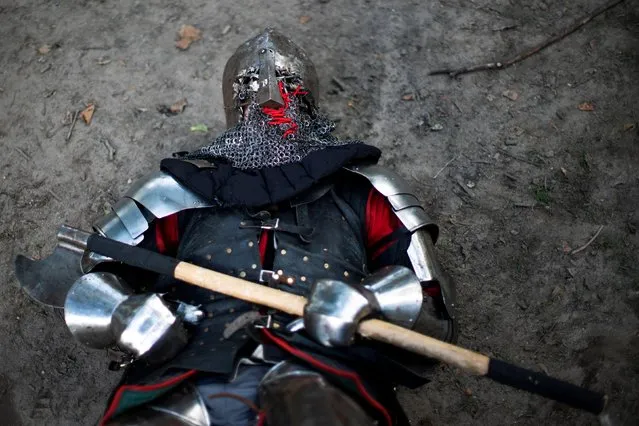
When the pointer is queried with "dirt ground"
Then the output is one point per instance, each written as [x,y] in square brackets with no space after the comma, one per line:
[516,184]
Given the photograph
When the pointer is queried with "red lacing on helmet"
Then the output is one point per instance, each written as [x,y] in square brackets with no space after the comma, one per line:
[278,115]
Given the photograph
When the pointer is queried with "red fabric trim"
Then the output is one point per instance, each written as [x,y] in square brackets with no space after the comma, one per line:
[331,370]
[382,249]
[433,291]
[381,221]
[167,234]
[118,394]
[263,245]
[261,418]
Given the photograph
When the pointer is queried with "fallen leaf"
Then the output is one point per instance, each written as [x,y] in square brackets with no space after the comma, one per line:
[187,35]
[200,128]
[87,113]
[350,103]
[510,94]
[564,171]
[304,19]
[408,97]
[179,106]
[586,106]
[174,109]
[628,126]
[104,61]
[566,248]
[44,49]
[468,392]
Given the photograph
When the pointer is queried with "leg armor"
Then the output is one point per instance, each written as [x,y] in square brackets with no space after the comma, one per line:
[181,407]
[294,395]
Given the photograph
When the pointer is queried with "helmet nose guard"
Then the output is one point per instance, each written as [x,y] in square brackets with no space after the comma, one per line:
[253,72]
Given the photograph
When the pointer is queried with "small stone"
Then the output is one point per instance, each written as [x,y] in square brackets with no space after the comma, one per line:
[510,94]
[514,232]
[226,30]
[523,304]
[468,392]
[436,127]
[490,97]
[470,184]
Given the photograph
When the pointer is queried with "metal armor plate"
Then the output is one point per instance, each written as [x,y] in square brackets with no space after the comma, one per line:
[181,407]
[160,194]
[424,231]
[400,196]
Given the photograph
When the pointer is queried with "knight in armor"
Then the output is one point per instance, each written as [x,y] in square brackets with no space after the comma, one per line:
[278,200]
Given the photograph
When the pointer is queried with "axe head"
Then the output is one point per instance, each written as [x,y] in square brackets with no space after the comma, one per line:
[48,280]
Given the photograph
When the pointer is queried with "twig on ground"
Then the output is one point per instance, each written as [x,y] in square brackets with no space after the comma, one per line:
[516,157]
[445,165]
[521,56]
[109,148]
[585,246]
[24,154]
[75,118]
[340,85]
[466,190]
[524,205]
[505,28]
[54,195]
[95,48]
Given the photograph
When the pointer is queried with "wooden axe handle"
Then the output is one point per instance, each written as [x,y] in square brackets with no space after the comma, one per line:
[382,331]
[373,329]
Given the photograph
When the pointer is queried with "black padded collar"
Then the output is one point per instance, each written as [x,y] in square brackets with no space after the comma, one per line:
[231,187]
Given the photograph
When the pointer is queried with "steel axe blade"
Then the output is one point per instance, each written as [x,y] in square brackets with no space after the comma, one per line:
[48,280]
